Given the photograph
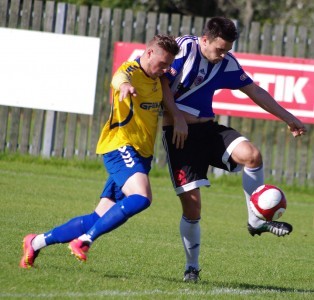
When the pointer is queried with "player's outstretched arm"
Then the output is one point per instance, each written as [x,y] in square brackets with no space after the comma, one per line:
[263,99]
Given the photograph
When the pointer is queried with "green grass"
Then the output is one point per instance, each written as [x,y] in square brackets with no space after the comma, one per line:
[144,258]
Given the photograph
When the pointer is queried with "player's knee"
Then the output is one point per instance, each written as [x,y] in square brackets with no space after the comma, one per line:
[191,204]
[134,204]
[253,157]
[192,211]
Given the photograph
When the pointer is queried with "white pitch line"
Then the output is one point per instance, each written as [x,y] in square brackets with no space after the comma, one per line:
[117,293]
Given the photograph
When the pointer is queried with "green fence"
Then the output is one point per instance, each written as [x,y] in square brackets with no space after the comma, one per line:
[22,130]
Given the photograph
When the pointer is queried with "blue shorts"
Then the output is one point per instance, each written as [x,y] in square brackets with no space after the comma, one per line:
[121,164]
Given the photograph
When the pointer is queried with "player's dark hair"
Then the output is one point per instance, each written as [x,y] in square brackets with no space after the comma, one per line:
[166,42]
[221,27]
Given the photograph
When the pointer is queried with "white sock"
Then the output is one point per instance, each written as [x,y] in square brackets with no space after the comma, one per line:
[85,238]
[252,178]
[191,238]
[39,242]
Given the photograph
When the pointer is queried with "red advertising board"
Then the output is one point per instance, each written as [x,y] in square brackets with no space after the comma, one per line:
[289,80]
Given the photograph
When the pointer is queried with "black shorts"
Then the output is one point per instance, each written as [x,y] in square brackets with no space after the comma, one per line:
[208,144]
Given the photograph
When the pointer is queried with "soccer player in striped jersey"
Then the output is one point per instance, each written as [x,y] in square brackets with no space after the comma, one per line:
[204,65]
[126,144]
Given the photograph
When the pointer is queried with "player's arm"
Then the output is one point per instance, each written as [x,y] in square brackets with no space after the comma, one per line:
[180,127]
[121,82]
[263,99]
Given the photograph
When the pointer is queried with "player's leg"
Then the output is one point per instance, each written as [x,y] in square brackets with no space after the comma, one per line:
[236,152]
[246,154]
[188,168]
[136,200]
[64,233]
[132,194]
[190,232]
[231,152]
[116,216]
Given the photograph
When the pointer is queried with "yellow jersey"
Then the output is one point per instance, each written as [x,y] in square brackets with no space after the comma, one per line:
[134,120]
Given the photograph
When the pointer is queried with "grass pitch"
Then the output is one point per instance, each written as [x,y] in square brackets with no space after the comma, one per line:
[144,258]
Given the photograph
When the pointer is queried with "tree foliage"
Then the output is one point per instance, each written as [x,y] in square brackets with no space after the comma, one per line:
[299,12]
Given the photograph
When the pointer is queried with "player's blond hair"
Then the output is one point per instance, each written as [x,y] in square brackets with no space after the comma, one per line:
[165,42]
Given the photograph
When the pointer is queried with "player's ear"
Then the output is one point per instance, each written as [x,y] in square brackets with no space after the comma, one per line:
[150,51]
[205,40]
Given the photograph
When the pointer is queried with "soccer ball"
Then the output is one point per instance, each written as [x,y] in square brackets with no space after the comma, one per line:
[268,202]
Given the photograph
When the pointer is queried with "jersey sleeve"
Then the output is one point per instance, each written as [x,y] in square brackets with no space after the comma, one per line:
[234,77]
[180,58]
[118,78]
[124,74]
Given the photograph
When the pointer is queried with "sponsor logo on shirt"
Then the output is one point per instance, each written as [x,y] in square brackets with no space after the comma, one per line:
[149,105]
[243,77]
[198,80]
[173,71]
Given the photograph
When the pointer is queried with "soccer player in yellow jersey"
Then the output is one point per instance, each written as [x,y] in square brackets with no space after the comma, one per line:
[134,120]
[126,144]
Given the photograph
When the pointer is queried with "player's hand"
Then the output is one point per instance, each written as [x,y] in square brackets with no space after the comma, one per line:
[297,128]
[125,90]
[180,132]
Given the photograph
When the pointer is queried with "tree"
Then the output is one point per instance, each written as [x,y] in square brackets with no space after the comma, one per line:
[299,12]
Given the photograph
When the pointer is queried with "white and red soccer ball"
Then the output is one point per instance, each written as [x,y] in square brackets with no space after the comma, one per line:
[268,202]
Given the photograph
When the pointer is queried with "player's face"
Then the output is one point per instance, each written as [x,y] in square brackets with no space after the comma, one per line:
[159,62]
[216,49]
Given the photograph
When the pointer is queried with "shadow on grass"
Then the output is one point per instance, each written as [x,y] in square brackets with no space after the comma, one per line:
[214,286]
[240,287]
[270,288]
[203,287]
